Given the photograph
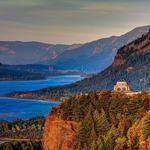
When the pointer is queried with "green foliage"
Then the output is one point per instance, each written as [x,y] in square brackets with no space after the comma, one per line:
[146,126]
[110,138]
[121,143]
[21,145]
[8,73]
[135,144]
[30,129]
[134,108]
[105,118]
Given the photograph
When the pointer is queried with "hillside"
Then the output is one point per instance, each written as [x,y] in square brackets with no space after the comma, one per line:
[17,52]
[32,72]
[9,73]
[90,57]
[22,134]
[131,64]
[99,121]
[97,55]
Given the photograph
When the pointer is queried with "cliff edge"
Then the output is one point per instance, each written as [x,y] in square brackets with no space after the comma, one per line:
[58,134]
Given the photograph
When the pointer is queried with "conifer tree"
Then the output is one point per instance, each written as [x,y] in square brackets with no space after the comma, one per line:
[104,124]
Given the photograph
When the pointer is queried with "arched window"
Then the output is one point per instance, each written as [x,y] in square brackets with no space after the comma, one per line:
[124,89]
[119,89]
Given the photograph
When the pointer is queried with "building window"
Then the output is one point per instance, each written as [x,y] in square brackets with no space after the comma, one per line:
[118,89]
[124,89]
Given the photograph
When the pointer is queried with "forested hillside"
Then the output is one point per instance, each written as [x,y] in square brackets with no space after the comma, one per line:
[22,134]
[11,74]
[22,129]
[100,121]
[32,72]
[21,145]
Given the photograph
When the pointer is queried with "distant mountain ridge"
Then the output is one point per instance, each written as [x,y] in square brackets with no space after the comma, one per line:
[17,52]
[132,64]
[90,57]
[97,55]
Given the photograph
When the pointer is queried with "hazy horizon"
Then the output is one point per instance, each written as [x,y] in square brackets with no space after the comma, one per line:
[68,21]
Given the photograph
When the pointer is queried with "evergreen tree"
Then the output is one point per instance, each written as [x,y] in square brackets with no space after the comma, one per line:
[146,126]
[103,123]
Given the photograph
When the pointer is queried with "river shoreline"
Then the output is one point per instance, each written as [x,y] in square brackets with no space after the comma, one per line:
[9,87]
[27,106]
[81,74]
[12,108]
[30,99]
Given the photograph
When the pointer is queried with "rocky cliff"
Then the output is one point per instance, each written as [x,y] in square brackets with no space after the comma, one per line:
[101,120]
[59,134]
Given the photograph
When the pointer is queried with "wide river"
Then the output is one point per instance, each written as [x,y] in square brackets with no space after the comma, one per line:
[12,108]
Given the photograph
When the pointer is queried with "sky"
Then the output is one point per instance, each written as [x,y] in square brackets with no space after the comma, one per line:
[70,21]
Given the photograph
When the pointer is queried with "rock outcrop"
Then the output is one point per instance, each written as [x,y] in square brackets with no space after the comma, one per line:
[59,134]
[118,61]
[129,130]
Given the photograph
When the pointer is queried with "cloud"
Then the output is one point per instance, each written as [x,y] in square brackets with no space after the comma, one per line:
[69,20]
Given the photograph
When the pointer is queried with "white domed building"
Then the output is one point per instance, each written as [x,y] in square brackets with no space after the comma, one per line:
[121,86]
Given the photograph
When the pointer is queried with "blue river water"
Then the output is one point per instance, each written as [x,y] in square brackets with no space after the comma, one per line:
[12,108]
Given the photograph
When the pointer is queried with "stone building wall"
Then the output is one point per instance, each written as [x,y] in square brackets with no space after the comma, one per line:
[121,86]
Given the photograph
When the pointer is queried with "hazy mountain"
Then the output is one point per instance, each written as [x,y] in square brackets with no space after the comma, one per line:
[16,52]
[97,55]
[131,64]
[89,57]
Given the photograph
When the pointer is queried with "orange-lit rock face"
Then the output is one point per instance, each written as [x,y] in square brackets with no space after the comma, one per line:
[118,61]
[58,134]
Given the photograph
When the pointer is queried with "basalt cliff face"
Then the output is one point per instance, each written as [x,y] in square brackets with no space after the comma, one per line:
[101,120]
[59,134]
